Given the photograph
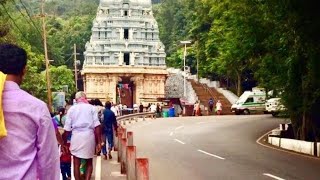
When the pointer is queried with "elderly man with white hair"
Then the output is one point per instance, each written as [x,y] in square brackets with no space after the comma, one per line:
[82,120]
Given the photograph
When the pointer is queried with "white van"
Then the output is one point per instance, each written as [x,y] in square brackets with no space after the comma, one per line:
[250,101]
[274,106]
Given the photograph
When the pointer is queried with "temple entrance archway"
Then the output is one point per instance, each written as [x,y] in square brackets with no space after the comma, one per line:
[126,91]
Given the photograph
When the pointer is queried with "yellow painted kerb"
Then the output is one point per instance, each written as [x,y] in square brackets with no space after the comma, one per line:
[3,130]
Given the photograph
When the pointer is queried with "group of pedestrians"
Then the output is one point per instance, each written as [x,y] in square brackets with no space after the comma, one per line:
[212,107]
[92,127]
[29,135]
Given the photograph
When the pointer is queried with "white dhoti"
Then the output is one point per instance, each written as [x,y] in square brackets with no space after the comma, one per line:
[83,144]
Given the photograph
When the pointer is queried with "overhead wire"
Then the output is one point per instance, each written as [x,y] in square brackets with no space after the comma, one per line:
[30,19]
[28,13]
[14,23]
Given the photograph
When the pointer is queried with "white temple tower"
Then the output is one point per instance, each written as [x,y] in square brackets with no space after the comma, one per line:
[125,59]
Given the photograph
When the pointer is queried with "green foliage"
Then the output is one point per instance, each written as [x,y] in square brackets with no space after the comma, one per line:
[61,76]
[67,23]
[274,41]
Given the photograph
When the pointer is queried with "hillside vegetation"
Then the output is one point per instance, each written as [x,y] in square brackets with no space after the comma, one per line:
[270,43]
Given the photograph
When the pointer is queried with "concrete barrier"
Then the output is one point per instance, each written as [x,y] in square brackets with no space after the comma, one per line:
[116,143]
[131,162]
[274,141]
[123,155]
[119,145]
[142,169]
[134,168]
[130,138]
[297,146]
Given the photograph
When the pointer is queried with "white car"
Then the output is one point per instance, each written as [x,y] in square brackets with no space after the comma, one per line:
[274,106]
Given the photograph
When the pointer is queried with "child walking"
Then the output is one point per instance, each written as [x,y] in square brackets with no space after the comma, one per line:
[65,162]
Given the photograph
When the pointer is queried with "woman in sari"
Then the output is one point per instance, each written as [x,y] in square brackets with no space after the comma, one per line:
[82,120]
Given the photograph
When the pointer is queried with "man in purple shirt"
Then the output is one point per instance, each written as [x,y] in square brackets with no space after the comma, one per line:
[30,150]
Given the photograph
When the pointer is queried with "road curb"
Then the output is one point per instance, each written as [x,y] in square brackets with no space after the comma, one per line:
[267,145]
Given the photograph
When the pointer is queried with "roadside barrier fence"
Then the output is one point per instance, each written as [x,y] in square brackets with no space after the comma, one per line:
[135,168]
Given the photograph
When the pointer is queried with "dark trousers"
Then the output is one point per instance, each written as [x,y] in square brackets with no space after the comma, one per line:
[210,108]
[65,170]
[108,138]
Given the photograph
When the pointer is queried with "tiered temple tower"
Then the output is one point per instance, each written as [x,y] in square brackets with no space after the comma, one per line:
[125,59]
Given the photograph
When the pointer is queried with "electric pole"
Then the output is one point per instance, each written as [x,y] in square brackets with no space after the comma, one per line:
[46,56]
[75,66]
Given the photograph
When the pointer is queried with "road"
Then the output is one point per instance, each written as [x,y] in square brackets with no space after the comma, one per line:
[217,147]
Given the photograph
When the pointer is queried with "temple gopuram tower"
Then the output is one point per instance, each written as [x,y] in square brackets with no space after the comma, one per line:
[125,59]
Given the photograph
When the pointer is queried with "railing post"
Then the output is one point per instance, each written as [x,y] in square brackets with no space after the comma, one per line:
[119,145]
[131,163]
[123,155]
[130,138]
[142,169]
[116,142]
[124,133]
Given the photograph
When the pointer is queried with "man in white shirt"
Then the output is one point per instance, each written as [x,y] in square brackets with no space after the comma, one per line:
[115,110]
[153,108]
[135,108]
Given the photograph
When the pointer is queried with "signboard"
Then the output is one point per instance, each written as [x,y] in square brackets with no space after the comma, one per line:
[59,100]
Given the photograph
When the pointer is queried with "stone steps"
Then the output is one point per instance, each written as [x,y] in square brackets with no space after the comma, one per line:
[204,95]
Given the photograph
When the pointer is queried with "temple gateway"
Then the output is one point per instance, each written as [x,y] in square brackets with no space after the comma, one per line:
[125,59]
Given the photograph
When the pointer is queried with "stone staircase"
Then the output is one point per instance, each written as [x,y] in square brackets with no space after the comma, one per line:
[204,93]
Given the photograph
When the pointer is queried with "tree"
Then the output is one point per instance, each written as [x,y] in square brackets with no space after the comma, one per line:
[61,76]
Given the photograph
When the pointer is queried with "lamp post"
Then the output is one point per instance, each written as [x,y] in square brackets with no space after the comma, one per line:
[184,66]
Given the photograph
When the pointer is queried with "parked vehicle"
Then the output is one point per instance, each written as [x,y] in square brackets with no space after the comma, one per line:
[274,106]
[250,101]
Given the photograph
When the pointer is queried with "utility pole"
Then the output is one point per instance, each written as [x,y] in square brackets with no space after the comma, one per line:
[75,66]
[46,56]
[184,67]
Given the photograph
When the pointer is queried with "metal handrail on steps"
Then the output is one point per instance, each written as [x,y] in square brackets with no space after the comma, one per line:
[207,89]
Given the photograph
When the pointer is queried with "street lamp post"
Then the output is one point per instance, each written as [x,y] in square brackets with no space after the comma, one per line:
[184,66]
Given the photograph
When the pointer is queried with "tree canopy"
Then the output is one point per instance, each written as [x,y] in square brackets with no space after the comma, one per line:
[67,23]
[269,43]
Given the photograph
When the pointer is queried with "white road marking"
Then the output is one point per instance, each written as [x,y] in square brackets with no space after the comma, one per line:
[98,168]
[177,128]
[179,141]
[201,122]
[273,176]
[171,133]
[204,152]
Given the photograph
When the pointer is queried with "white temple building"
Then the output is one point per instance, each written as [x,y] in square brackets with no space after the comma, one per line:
[125,59]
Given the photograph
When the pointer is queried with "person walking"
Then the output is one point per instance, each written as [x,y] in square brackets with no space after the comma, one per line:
[60,118]
[219,107]
[30,149]
[82,120]
[197,109]
[65,162]
[159,110]
[211,105]
[109,127]
[114,109]
[141,108]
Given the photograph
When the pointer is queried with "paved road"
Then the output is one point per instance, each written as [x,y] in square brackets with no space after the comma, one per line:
[224,147]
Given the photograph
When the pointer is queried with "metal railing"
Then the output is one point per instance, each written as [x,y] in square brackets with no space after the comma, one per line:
[131,117]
